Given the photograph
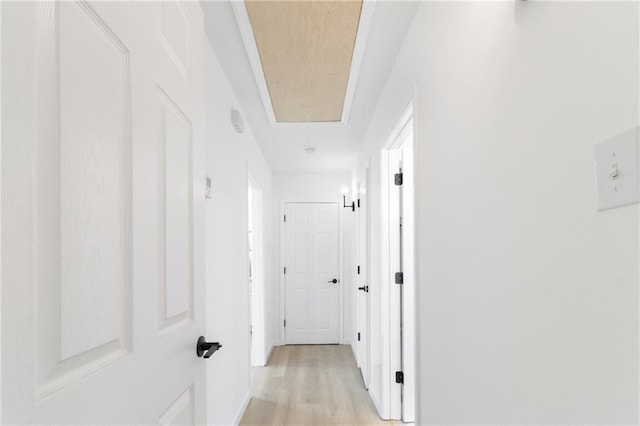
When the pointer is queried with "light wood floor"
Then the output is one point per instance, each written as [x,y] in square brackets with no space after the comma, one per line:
[310,385]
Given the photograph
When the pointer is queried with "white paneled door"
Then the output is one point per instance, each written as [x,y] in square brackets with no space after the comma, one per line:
[312,281]
[363,299]
[102,213]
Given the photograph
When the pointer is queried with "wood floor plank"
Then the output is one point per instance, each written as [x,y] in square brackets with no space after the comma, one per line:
[310,385]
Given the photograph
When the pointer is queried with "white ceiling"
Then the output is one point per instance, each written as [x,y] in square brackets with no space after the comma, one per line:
[336,144]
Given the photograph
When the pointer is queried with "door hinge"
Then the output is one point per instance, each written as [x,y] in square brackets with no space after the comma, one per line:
[358,202]
[358,337]
[399,278]
[399,377]
[285,323]
[397,179]
[285,270]
[358,269]
[285,217]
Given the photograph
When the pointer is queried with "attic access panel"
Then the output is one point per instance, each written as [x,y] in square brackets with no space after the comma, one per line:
[306,50]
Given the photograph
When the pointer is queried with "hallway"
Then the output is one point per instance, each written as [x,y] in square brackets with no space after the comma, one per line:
[317,212]
[310,384]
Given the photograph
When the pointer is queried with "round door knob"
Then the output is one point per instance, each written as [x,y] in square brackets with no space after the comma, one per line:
[334,281]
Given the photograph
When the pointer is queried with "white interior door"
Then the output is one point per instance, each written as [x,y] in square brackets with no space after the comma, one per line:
[312,264]
[102,213]
[256,278]
[363,299]
[408,286]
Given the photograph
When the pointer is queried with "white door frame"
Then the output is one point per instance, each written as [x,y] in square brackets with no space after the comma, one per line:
[363,319]
[392,357]
[0,215]
[283,294]
[256,284]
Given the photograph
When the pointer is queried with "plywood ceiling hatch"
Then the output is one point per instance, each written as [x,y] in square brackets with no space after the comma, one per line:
[306,50]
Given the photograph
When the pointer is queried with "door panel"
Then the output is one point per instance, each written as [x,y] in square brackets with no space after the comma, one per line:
[82,224]
[312,250]
[176,293]
[181,411]
[98,195]
[173,34]
[91,189]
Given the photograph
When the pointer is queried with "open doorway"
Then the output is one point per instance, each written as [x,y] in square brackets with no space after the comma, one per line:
[399,266]
[256,274]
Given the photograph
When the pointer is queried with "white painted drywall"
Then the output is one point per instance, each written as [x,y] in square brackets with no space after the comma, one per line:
[527,296]
[307,187]
[230,156]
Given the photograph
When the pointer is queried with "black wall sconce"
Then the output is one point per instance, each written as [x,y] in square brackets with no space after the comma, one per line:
[345,190]
[345,205]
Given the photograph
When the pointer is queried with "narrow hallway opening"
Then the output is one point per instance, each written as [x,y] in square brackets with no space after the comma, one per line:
[310,384]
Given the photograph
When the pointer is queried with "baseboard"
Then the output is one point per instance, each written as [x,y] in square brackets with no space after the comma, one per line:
[243,408]
[345,342]
[269,352]
[353,351]
[377,405]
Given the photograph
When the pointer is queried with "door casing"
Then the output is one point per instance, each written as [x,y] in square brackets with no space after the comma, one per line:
[401,347]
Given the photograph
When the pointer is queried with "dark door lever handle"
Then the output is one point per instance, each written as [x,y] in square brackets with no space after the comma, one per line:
[364,288]
[333,281]
[208,347]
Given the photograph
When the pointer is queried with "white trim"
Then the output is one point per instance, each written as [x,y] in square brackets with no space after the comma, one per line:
[283,294]
[384,404]
[353,351]
[270,351]
[376,404]
[249,41]
[363,255]
[394,140]
[362,36]
[418,415]
[416,230]
[391,407]
[343,285]
[394,394]
[243,408]
[251,48]
[1,418]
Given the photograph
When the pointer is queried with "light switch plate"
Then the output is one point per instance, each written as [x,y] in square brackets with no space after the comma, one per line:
[617,170]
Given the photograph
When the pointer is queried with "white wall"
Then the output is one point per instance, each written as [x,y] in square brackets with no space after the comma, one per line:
[229,157]
[527,297]
[306,187]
